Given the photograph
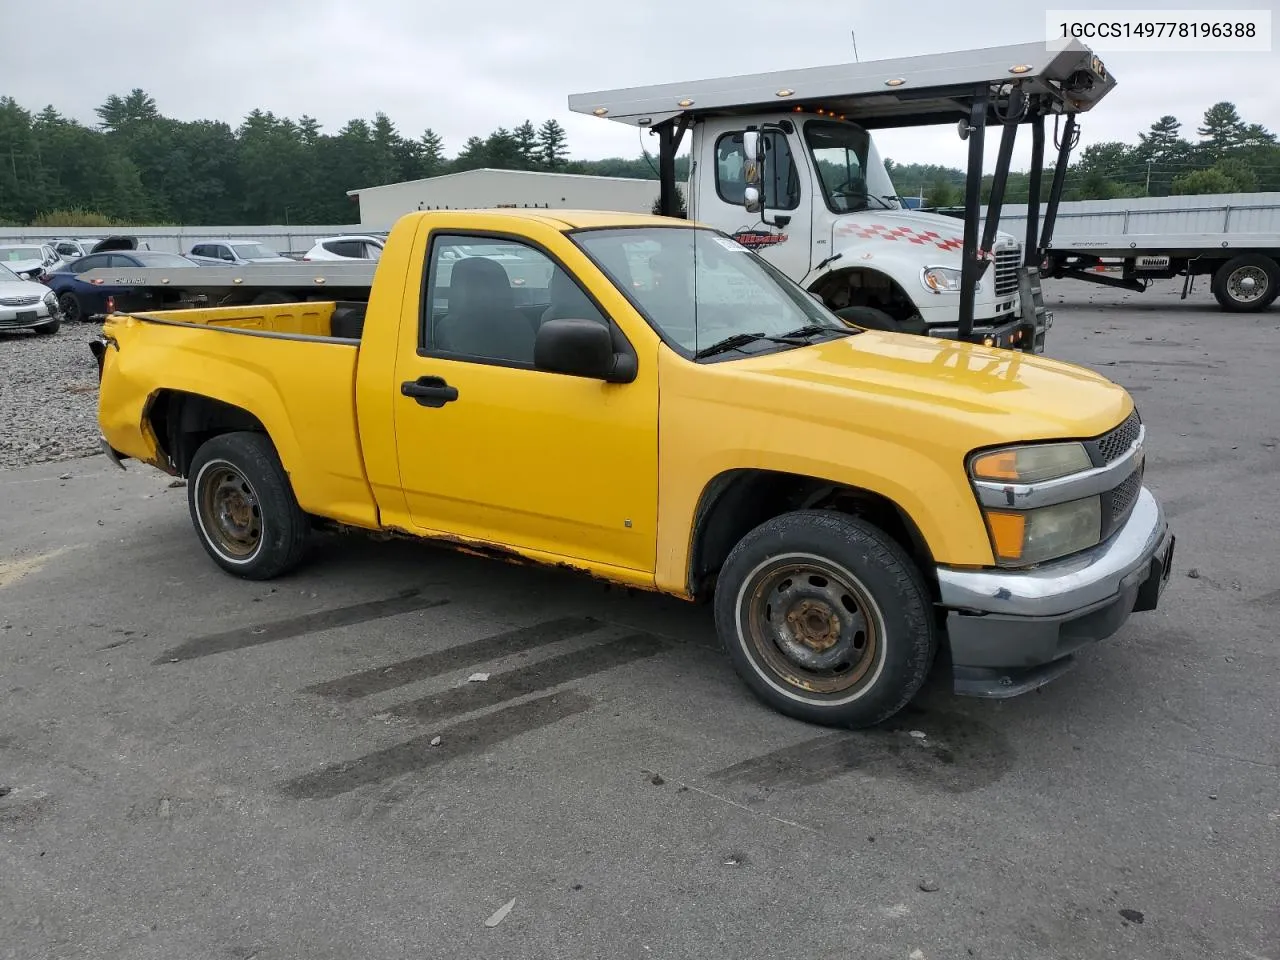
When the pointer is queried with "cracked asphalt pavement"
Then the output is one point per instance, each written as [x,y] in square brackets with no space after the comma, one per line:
[196,766]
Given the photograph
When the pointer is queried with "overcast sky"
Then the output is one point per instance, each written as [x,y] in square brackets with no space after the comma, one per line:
[465,68]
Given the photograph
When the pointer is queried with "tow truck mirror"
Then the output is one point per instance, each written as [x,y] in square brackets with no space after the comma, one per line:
[753,171]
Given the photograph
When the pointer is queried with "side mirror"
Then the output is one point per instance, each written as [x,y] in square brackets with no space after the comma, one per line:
[753,171]
[581,348]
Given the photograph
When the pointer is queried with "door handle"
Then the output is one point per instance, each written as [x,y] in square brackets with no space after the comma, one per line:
[429,391]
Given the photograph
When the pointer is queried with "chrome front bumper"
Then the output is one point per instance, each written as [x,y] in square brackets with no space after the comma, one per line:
[1012,631]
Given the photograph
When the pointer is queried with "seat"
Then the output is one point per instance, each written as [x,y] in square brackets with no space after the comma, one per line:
[568,302]
[483,320]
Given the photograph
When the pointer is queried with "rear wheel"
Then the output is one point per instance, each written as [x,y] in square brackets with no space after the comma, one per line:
[72,312]
[243,507]
[826,618]
[1246,283]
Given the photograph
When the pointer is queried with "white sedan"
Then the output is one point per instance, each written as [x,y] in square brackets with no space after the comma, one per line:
[29,260]
[26,305]
[351,247]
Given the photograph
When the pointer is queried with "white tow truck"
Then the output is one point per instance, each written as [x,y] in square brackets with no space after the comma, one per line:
[785,163]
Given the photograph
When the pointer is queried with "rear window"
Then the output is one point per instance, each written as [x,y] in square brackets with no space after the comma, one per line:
[160,259]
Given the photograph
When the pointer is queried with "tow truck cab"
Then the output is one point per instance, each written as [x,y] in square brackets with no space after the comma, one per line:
[786,163]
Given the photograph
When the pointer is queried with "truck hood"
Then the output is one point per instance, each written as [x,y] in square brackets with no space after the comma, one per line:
[929,231]
[885,381]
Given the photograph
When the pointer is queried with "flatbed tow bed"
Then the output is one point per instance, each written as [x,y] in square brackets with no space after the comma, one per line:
[1244,267]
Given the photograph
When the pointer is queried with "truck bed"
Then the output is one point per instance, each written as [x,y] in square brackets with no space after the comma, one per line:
[1167,244]
[293,365]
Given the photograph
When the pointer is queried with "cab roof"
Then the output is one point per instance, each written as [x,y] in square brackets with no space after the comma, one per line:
[908,91]
[568,219]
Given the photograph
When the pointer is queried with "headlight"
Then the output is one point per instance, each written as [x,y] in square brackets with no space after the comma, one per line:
[940,279]
[51,301]
[1024,537]
[1031,464]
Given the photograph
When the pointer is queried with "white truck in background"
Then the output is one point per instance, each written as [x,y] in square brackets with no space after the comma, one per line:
[785,162]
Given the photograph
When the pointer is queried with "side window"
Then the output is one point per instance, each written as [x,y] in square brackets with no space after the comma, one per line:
[345,248]
[119,260]
[95,262]
[487,297]
[200,250]
[67,249]
[782,183]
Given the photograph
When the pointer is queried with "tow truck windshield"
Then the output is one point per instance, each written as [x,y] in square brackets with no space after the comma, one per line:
[840,155]
[706,293]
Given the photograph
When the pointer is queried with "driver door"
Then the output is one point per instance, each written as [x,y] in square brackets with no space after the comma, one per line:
[789,245]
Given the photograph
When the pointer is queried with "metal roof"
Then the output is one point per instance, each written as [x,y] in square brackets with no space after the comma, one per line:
[907,91]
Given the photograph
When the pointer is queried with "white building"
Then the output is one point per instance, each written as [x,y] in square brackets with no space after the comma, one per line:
[488,188]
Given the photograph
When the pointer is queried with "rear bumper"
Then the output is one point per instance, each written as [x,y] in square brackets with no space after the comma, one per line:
[1013,631]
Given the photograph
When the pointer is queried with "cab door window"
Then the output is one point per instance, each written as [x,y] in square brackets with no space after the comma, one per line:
[488,297]
[782,180]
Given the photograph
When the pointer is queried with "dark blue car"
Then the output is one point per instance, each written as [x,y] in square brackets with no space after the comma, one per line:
[81,299]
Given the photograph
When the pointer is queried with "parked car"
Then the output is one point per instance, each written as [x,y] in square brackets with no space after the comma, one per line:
[26,305]
[234,252]
[29,260]
[120,243]
[73,248]
[362,247]
[82,299]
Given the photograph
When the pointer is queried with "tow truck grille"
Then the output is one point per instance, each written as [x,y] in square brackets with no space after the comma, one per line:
[1007,262]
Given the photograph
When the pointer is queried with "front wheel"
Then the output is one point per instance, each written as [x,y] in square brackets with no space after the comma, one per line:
[826,619]
[243,507]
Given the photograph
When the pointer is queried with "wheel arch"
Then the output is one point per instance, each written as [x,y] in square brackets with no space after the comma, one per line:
[738,500]
[881,286]
[181,421]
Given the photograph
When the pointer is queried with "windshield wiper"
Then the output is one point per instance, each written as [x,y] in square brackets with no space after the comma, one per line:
[741,340]
[813,329]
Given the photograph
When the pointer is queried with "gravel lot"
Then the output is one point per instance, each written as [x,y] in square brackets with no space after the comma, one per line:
[194,766]
[48,396]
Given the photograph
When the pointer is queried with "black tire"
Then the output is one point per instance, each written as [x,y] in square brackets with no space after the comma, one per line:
[830,570]
[1246,283]
[72,311]
[243,507]
[45,329]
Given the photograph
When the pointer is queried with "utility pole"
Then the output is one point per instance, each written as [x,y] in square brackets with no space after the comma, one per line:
[854,33]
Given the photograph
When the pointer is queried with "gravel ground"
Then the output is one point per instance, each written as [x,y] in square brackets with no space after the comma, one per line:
[48,396]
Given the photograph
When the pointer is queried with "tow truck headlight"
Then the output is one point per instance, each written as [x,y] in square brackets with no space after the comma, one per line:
[943,280]
[1024,537]
[1031,464]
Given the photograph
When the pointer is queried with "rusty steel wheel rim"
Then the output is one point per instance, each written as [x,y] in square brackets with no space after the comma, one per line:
[229,511]
[813,624]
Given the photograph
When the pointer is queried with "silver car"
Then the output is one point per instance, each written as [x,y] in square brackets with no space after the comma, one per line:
[26,305]
[29,260]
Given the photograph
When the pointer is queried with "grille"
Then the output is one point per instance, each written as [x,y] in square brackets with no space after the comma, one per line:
[18,301]
[1008,260]
[1118,503]
[1111,445]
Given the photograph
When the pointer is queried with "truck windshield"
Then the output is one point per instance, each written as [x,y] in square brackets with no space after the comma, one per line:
[701,289]
[840,156]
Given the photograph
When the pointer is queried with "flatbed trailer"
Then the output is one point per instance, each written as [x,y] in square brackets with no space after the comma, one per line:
[174,288]
[1244,267]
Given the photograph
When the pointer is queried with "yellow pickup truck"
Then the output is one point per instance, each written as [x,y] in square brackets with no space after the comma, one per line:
[646,401]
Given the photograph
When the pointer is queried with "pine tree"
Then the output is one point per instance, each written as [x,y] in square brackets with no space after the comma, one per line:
[553,145]
[431,159]
[1222,127]
[527,146]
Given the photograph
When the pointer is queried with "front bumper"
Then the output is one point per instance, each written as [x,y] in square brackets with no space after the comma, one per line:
[25,318]
[1012,631]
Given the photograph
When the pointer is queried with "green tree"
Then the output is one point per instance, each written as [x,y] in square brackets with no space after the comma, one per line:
[1202,182]
[553,145]
[1222,127]
[527,147]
